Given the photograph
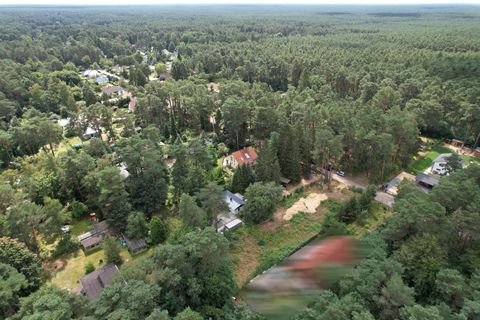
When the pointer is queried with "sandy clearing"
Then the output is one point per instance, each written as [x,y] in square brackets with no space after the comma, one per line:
[309,204]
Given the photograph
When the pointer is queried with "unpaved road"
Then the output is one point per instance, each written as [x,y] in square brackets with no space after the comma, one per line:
[382,197]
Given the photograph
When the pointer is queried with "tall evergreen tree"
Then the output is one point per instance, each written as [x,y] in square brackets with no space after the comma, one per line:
[289,152]
[107,191]
[242,178]
[212,202]
[147,179]
[267,168]
[158,230]
[192,215]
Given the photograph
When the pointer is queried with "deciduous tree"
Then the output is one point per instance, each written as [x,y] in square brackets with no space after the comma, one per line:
[261,201]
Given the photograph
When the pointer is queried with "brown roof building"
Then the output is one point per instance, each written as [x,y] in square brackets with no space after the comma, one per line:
[109,90]
[246,156]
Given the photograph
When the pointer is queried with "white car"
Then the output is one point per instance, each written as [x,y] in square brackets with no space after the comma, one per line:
[340,173]
[65,229]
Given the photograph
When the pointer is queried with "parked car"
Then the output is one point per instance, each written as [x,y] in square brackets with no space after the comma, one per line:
[66,229]
[340,173]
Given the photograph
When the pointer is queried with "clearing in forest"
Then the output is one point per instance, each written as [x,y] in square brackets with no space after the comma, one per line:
[256,248]
[308,204]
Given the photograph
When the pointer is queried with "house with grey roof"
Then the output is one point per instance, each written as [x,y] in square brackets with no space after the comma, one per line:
[234,200]
[91,74]
[426,182]
[135,246]
[101,79]
[94,238]
[94,282]
[229,220]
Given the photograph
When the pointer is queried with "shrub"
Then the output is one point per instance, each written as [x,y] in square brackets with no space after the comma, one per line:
[89,267]
[65,245]
[332,205]
[158,230]
[355,189]
[332,226]
[272,258]
[78,209]
[112,250]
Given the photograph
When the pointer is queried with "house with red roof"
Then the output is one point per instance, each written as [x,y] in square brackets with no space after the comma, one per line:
[246,156]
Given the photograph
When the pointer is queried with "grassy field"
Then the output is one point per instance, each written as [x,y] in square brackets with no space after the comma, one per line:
[424,162]
[67,143]
[471,160]
[289,200]
[421,164]
[73,266]
[79,226]
[256,248]
[67,270]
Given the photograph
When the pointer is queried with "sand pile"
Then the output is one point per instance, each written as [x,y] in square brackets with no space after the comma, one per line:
[308,204]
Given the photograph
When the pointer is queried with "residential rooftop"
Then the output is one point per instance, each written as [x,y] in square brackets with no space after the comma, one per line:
[234,200]
[94,282]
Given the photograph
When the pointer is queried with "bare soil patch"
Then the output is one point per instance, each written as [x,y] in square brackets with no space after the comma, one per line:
[308,204]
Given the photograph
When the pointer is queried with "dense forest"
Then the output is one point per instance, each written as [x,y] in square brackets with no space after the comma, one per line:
[308,87]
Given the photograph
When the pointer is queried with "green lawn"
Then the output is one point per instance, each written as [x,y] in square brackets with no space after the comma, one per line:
[256,248]
[68,276]
[72,266]
[423,163]
[79,226]
[471,160]
[67,143]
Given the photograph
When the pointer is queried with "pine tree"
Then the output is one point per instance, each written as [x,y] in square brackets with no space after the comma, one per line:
[242,178]
[289,158]
[267,168]
[179,173]
[296,72]
[137,227]
[192,215]
[304,147]
[158,230]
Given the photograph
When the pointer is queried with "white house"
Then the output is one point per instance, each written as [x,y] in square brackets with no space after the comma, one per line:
[90,133]
[91,74]
[246,156]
